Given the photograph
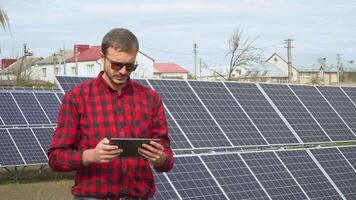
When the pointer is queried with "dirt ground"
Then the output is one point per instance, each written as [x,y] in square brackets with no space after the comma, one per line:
[32,185]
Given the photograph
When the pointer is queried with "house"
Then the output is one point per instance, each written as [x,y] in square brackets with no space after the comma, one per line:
[261,72]
[5,62]
[169,71]
[19,68]
[83,60]
[316,69]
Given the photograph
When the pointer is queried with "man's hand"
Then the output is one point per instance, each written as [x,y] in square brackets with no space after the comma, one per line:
[154,153]
[102,153]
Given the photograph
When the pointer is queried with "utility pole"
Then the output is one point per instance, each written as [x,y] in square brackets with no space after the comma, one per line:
[289,52]
[338,68]
[76,59]
[64,59]
[195,52]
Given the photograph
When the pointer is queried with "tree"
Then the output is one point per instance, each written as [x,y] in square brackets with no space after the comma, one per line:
[4,19]
[241,52]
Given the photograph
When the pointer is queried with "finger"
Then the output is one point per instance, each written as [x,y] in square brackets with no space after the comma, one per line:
[107,147]
[108,157]
[156,145]
[148,154]
[105,141]
[111,152]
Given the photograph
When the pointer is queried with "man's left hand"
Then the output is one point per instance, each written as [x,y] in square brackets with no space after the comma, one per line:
[154,152]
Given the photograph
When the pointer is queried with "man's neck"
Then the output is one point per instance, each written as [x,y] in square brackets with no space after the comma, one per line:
[114,86]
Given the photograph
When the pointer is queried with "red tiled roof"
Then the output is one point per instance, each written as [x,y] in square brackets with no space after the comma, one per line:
[169,68]
[92,54]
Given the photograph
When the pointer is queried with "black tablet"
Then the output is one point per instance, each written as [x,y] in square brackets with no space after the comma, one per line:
[130,145]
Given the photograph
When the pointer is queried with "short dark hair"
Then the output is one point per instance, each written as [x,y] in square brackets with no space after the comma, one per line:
[119,38]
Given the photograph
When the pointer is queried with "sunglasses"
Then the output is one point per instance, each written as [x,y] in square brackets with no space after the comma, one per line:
[118,65]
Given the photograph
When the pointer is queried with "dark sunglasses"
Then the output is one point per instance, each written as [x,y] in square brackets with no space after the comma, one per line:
[118,65]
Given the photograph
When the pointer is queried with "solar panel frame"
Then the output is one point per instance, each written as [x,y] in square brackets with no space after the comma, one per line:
[29,146]
[190,114]
[341,103]
[273,175]
[44,136]
[338,169]
[31,108]
[191,178]
[263,114]
[10,155]
[296,114]
[324,113]
[50,105]
[10,112]
[308,174]
[232,119]
[235,178]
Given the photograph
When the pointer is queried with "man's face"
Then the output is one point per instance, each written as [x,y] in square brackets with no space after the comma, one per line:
[118,66]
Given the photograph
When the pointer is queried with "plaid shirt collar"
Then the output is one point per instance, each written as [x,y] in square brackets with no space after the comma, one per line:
[127,89]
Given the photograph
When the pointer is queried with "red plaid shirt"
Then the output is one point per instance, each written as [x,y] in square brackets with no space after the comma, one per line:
[92,111]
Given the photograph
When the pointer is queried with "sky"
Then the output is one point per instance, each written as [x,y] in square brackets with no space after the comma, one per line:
[167,30]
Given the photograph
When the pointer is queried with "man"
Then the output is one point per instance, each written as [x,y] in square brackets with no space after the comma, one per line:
[106,107]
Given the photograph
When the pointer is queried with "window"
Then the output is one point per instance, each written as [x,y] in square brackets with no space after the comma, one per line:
[74,71]
[90,69]
[56,70]
[44,72]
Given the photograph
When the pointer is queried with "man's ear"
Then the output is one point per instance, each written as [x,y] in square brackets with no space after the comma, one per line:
[102,56]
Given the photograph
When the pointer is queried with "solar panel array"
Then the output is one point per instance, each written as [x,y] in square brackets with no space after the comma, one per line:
[209,123]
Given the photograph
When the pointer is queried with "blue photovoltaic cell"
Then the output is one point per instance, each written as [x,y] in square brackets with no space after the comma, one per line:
[50,105]
[262,113]
[323,113]
[295,113]
[234,177]
[164,190]
[231,118]
[273,176]
[308,175]
[69,82]
[9,155]
[178,141]
[44,136]
[341,103]
[335,165]
[30,108]
[9,111]
[351,92]
[28,146]
[350,154]
[60,96]
[190,114]
[193,181]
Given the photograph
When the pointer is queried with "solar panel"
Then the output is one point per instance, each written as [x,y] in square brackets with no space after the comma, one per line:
[262,113]
[273,176]
[335,165]
[69,82]
[234,177]
[229,115]
[351,93]
[60,96]
[295,113]
[193,181]
[9,155]
[341,103]
[31,108]
[9,111]
[44,136]
[28,146]
[50,105]
[308,175]
[164,190]
[190,114]
[350,154]
[323,113]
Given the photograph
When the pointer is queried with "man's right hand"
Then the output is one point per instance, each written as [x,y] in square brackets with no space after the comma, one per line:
[102,153]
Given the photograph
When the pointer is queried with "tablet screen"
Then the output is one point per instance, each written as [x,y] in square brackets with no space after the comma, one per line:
[130,145]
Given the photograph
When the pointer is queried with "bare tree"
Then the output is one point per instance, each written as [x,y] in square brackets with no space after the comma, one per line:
[241,52]
[4,19]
